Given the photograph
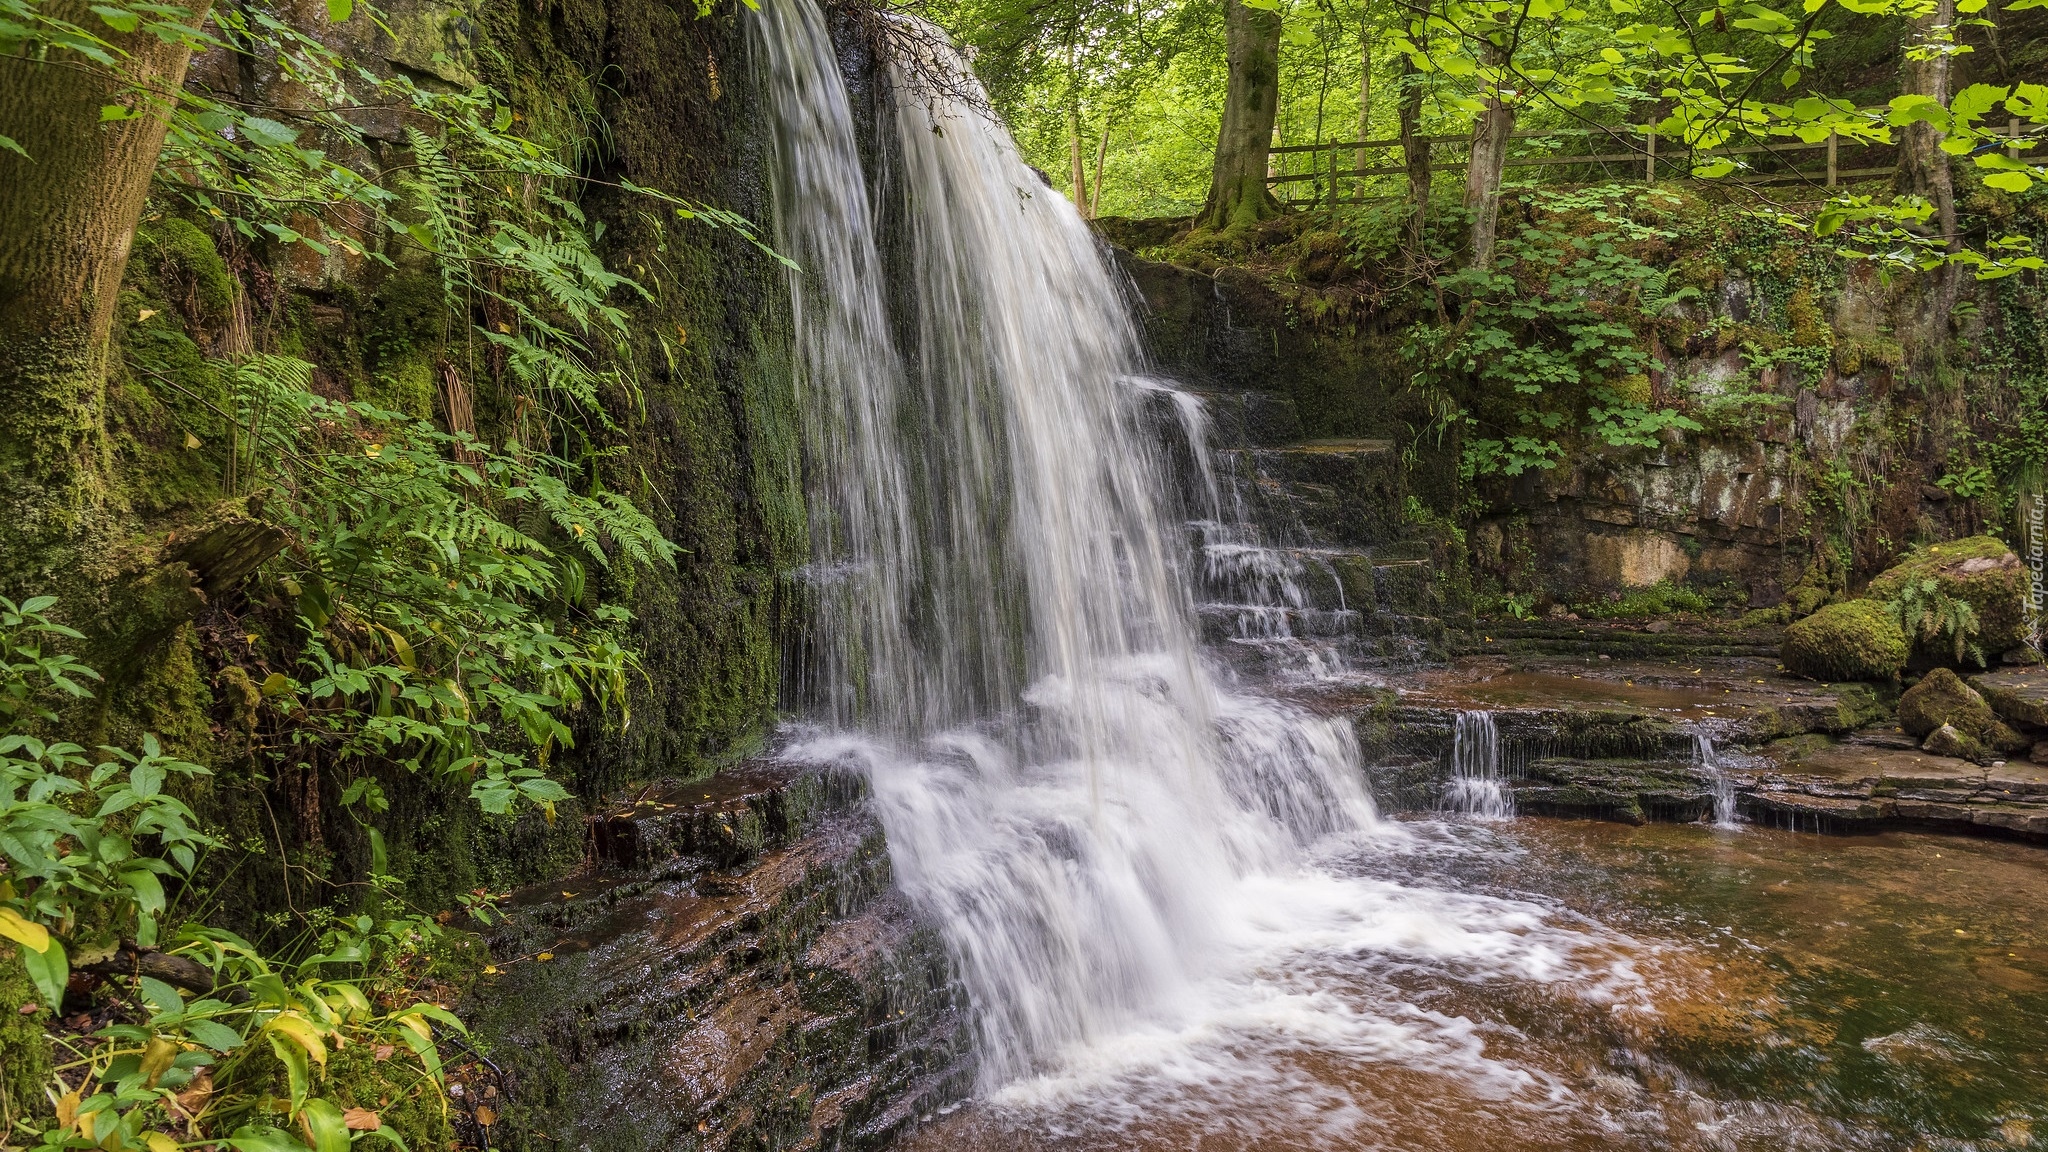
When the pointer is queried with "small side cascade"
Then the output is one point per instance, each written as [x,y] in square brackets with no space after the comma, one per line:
[1478,785]
[1703,754]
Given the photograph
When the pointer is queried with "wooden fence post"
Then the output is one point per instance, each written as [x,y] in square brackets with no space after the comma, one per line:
[2012,130]
[1832,138]
[1650,162]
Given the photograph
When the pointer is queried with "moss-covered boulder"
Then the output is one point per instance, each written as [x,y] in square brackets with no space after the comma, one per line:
[1854,640]
[1941,699]
[1982,572]
[24,1054]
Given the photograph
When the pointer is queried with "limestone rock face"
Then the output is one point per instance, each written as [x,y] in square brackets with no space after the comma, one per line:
[1855,640]
[1981,571]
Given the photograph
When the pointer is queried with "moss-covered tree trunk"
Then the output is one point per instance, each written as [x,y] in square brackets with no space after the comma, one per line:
[68,212]
[1238,195]
[1415,156]
[1490,135]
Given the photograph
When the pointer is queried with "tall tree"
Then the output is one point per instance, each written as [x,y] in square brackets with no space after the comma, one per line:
[1491,130]
[1415,156]
[1238,195]
[68,211]
[1922,165]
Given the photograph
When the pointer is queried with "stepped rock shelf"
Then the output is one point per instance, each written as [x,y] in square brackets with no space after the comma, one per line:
[1588,735]
[730,970]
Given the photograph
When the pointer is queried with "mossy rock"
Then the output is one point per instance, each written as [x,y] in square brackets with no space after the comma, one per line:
[1854,640]
[1983,572]
[1941,698]
[24,1053]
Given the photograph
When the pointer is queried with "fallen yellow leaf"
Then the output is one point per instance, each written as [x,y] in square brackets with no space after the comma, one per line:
[361,1120]
[485,1116]
[146,313]
[545,956]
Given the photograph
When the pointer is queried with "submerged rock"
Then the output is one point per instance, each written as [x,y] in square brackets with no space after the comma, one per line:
[1855,640]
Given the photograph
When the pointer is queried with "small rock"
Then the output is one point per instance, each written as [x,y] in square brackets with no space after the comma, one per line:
[2020,657]
[31,1008]
[1658,626]
[1605,656]
[1941,699]
[1946,741]
[2040,754]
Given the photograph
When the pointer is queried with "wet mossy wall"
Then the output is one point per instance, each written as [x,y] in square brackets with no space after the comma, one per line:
[638,92]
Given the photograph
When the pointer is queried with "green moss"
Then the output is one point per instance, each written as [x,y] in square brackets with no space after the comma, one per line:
[24,1053]
[1941,698]
[1983,572]
[405,1103]
[1660,599]
[1855,640]
[407,385]
[183,259]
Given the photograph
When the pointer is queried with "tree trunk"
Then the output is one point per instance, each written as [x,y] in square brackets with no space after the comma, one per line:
[1237,192]
[1490,134]
[1077,169]
[67,217]
[1923,168]
[1415,155]
[1101,157]
[1364,88]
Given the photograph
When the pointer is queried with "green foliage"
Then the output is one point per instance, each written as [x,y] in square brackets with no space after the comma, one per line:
[1549,337]
[248,1062]
[72,831]
[1928,615]
[440,586]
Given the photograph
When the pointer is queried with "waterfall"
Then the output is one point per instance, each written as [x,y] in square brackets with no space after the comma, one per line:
[1478,784]
[1005,639]
[1703,754]
[1133,863]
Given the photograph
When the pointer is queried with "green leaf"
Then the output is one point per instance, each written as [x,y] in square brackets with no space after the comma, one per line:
[324,1121]
[214,1035]
[119,19]
[263,1138]
[340,10]
[2009,181]
[293,1057]
[50,969]
[8,143]
[161,996]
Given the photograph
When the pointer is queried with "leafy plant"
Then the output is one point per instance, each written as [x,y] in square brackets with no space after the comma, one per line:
[246,1064]
[1926,613]
[439,585]
[73,832]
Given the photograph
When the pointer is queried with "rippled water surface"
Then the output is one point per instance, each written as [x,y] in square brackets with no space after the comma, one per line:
[1536,984]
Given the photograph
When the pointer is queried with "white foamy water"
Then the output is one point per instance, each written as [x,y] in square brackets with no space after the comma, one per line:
[1140,872]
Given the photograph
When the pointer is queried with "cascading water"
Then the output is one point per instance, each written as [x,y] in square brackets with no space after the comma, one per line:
[1478,784]
[1117,849]
[1703,754]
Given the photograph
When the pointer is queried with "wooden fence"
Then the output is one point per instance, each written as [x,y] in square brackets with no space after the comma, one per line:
[1634,154]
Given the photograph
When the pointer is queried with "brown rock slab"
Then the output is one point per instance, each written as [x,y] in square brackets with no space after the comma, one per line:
[2020,695]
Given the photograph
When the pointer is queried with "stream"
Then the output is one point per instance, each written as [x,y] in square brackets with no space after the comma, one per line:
[1180,918]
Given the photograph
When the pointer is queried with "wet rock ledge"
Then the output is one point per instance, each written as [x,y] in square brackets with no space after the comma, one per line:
[730,971]
[1639,738]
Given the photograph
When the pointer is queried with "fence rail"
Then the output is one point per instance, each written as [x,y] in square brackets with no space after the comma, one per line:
[1641,152]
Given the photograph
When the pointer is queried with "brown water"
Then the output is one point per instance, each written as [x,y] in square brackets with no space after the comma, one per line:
[1713,990]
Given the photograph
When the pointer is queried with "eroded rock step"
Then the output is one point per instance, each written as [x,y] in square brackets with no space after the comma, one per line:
[1342,493]
[1617,740]
[732,972]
